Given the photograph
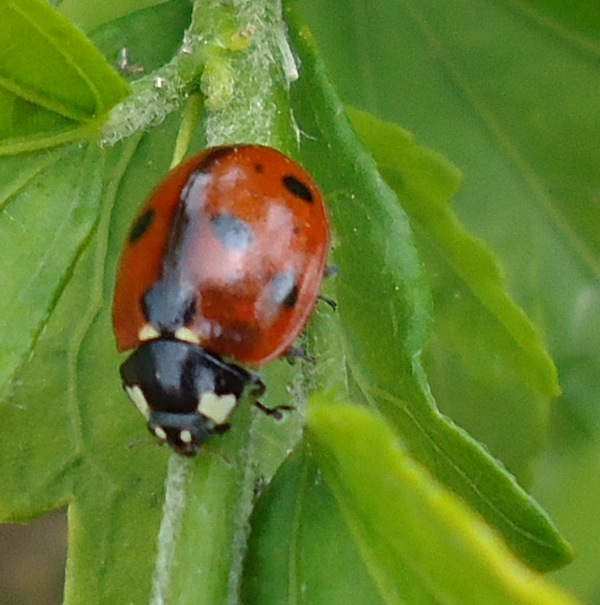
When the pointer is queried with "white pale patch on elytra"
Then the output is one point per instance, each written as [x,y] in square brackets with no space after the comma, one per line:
[139,399]
[187,335]
[148,332]
[217,408]
[185,436]
[160,433]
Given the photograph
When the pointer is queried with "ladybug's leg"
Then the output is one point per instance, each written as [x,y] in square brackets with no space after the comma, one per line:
[274,412]
[222,428]
[293,354]
[256,389]
[330,271]
[329,301]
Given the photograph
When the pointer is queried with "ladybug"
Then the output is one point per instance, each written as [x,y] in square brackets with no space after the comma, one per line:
[221,270]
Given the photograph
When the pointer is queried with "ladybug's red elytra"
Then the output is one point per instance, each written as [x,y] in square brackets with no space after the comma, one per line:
[222,266]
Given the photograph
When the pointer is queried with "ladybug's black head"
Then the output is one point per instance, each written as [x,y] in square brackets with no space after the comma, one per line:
[185,393]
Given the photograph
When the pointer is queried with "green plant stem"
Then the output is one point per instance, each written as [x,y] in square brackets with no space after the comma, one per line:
[236,55]
[247,72]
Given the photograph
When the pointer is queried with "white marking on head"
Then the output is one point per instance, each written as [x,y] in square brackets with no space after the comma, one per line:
[187,335]
[217,408]
[148,332]
[137,396]
[160,433]
[185,436]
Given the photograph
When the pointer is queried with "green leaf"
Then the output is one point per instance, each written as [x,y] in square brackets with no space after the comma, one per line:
[146,53]
[49,206]
[468,282]
[419,542]
[52,78]
[300,550]
[384,320]
[478,328]
[47,406]
[91,16]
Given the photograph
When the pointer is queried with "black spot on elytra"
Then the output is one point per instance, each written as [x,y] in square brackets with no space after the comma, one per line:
[284,289]
[141,225]
[259,168]
[297,188]
[212,156]
[233,232]
[291,299]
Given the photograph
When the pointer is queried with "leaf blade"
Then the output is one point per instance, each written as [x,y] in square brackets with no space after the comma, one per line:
[510,335]
[380,489]
[382,336]
[49,68]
